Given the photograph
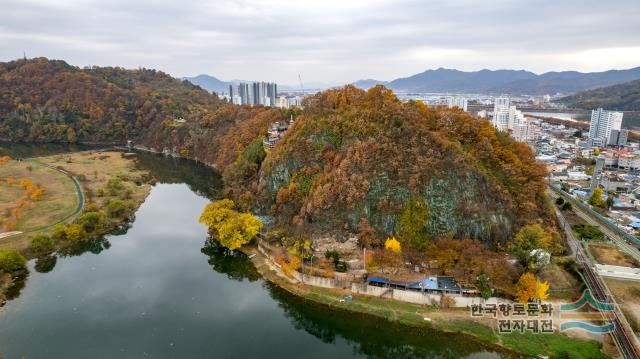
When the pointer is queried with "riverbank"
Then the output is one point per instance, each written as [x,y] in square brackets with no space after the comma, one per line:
[86,195]
[105,178]
[23,209]
[456,320]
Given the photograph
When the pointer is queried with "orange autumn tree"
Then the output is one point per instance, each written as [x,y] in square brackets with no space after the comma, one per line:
[529,288]
[526,288]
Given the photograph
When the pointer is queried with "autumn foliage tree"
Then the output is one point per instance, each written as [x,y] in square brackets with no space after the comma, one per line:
[596,198]
[367,236]
[231,228]
[389,257]
[529,289]
[530,237]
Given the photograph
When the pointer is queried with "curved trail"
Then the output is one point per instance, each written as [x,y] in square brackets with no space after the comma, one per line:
[67,218]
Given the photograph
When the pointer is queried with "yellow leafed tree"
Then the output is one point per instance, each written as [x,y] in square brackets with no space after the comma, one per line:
[393,245]
[233,229]
[542,290]
[526,288]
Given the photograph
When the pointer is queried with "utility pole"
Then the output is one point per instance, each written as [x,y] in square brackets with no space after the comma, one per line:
[364,258]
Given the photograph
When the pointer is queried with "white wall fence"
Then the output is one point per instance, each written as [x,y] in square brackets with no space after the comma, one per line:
[409,296]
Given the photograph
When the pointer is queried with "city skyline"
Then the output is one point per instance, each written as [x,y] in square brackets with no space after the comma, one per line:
[332,42]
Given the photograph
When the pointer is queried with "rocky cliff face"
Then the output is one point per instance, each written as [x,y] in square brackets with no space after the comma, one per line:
[355,154]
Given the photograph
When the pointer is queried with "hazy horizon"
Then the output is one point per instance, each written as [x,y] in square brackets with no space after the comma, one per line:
[332,42]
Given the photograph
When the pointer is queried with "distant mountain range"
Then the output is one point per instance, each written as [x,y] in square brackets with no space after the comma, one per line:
[209,83]
[368,83]
[622,97]
[516,82]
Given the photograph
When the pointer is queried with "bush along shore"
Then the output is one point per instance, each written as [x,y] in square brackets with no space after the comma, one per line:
[112,191]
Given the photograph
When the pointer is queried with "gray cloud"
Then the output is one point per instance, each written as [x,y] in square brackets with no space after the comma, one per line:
[327,41]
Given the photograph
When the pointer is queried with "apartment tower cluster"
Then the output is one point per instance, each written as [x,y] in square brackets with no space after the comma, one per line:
[508,118]
[256,93]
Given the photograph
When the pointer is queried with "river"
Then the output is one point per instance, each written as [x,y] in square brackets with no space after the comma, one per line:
[161,289]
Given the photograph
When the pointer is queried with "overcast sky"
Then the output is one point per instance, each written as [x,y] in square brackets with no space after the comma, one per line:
[330,41]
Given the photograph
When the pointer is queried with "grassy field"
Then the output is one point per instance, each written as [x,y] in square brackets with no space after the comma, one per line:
[563,285]
[456,320]
[610,254]
[93,169]
[59,200]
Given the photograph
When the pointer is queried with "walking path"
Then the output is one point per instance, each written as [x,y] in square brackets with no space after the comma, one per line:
[70,217]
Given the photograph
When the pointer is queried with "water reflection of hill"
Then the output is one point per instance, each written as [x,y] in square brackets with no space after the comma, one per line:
[203,180]
[377,338]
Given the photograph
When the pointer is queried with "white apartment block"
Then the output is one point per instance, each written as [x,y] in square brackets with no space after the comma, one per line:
[526,131]
[602,122]
[457,101]
[500,118]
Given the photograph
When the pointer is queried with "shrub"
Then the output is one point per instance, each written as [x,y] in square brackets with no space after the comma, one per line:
[567,206]
[116,208]
[90,221]
[559,201]
[114,185]
[41,245]
[588,232]
[75,232]
[11,261]
[60,232]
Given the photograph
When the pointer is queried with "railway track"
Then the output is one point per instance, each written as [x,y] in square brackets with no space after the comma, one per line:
[622,334]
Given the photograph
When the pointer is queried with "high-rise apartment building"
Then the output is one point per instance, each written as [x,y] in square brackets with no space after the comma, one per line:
[457,101]
[618,137]
[602,123]
[257,93]
[500,118]
[505,116]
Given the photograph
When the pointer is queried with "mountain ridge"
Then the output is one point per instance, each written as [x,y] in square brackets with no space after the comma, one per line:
[516,82]
[619,97]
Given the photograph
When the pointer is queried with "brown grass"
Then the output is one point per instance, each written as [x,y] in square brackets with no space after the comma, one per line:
[95,168]
[627,294]
[611,255]
[563,285]
[59,200]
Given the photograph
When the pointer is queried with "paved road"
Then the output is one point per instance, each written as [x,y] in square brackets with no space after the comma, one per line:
[623,335]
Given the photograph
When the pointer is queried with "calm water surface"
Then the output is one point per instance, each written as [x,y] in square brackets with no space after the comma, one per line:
[160,289]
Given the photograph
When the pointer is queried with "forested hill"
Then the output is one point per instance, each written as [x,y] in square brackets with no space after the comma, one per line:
[354,160]
[44,100]
[49,100]
[357,159]
[622,97]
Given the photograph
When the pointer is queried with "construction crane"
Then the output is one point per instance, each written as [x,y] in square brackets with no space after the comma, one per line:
[301,86]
